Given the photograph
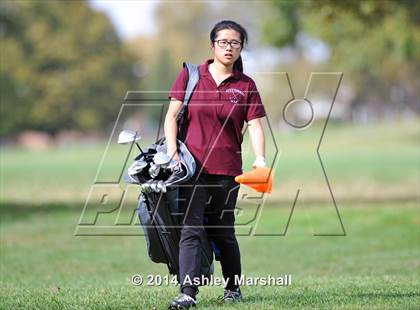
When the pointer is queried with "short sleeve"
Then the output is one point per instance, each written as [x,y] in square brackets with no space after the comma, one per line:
[180,84]
[255,108]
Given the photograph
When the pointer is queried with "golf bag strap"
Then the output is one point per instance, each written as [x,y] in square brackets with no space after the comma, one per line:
[193,77]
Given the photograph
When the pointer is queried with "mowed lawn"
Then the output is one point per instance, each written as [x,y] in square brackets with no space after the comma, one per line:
[373,171]
[368,160]
[375,266]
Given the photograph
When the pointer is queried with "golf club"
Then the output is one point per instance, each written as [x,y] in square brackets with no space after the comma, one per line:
[154,170]
[129,136]
[161,186]
[161,158]
[137,167]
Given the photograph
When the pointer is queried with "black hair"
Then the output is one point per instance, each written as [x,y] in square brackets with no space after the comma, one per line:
[229,24]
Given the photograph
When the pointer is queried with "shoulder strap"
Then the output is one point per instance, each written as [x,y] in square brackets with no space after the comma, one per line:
[193,77]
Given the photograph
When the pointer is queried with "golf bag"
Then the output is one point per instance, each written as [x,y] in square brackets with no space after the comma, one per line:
[161,216]
[159,209]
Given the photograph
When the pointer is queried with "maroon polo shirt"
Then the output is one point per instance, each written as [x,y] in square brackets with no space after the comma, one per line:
[216,115]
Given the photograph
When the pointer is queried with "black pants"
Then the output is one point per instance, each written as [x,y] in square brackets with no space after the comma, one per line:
[213,196]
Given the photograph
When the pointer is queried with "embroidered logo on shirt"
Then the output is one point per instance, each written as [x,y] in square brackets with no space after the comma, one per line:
[235,94]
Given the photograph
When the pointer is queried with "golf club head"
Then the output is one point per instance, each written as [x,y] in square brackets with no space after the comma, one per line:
[161,186]
[154,170]
[136,167]
[161,148]
[128,136]
[146,187]
[154,187]
[161,158]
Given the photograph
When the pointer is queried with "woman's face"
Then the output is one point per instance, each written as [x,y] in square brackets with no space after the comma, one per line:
[229,54]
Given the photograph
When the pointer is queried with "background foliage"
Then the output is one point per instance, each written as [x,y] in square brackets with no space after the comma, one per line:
[62,67]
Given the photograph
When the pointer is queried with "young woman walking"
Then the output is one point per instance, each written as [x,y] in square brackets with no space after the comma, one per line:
[223,100]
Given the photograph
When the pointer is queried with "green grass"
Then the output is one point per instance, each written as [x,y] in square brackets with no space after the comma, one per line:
[363,160]
[375,266]
[373,171]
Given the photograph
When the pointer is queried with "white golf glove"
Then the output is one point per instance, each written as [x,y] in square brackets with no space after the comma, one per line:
[259,162]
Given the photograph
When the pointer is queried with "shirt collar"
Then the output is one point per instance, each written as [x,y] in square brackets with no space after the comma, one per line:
[204,70]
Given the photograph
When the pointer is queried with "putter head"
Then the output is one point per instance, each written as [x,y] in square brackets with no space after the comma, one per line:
[128,136]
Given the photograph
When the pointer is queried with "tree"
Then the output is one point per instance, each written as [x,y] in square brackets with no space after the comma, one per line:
[62,66]
[374,42]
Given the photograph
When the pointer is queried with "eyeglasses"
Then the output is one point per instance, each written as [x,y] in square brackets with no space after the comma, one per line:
[224,43]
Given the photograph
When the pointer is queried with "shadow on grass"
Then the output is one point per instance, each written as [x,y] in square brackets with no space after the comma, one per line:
[22,210]
[386,295]
[18,211]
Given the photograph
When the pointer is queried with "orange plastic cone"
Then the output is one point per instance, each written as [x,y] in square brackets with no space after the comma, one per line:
[260,179]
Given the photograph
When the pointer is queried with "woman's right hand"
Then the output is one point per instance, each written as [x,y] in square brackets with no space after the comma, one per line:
[171,130]
[175,156]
